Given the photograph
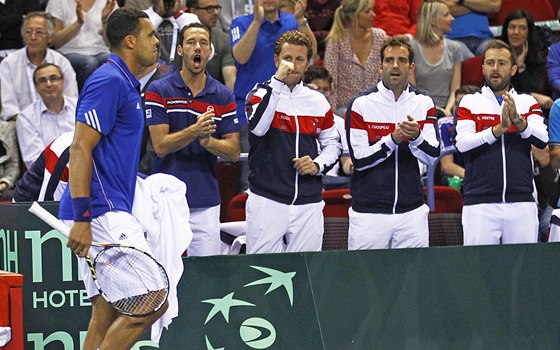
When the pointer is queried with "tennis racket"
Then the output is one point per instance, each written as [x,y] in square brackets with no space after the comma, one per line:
[131,280]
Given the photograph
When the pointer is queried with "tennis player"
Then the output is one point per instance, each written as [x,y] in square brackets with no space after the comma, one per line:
[103,168]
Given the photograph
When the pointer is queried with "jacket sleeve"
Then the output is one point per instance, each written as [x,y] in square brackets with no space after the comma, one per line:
[467,137]
[364,155]
[536,128]
[329,142]
[426,146]
[260,105]
[29,186]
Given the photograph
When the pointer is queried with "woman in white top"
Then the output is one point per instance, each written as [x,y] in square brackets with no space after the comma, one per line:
[79,26]
[437,60]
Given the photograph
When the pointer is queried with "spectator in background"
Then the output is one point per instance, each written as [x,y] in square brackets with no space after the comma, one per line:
[222,65]
[49,117]
[137,4]
[397,17]
[9,160]
[453,164]
[320,14]
[252,39]
[16,71]
[318,78]
[232,9]
[168,19]
[471,26]
[554,146]
[498,189]
[146,148]
[520,33]
[293,141]
[12,13]
[437,60]
[390,129]
[288,6]
[554,67]
[352,53]
[79,27]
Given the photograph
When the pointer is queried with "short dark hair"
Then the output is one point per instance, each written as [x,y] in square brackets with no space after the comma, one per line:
[467,90]
[397,41]
[123,22]
[192,4]
[293,37]
[193,25]
[45,65]
[316,72]
[498,44]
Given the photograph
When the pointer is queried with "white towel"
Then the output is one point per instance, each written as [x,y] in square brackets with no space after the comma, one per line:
[161,206]
[5,335]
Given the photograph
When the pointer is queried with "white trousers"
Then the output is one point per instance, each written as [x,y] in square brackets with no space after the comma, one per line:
[205,225]
[500,223]
[383,231]
[269,223]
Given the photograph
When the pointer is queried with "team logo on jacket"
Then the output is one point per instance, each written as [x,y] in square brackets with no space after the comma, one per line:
[316,126]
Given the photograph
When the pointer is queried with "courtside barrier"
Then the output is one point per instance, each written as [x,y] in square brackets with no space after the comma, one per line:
[487,297]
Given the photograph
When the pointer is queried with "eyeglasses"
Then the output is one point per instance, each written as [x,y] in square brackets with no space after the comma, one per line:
[44,80]
[38,32]
[210,9]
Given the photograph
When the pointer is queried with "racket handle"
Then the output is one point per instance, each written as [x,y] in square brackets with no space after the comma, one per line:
[49,218]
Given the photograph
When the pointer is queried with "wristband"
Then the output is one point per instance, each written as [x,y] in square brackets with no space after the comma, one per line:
[81,207]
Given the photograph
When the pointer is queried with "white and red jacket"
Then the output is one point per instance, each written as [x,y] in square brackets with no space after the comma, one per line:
[47,177]
[285,125]
[386,179]
[498,170]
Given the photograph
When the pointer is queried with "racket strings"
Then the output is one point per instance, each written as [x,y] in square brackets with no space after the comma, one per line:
[132,281]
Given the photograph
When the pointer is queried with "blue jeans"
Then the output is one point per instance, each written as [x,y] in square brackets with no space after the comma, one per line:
[474,45]
[85,65]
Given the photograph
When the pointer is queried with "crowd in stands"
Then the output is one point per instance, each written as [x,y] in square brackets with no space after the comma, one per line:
[49,48]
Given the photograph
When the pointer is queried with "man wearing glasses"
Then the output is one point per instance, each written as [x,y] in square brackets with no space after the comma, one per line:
[222,65]
[49,117]
[16,70]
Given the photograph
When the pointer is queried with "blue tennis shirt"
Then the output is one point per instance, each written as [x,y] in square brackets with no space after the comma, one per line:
[110,103]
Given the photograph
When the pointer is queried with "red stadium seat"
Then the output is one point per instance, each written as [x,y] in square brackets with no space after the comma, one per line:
[447,200]
[236,208]
[471,72]
[337,203]
[227,182]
